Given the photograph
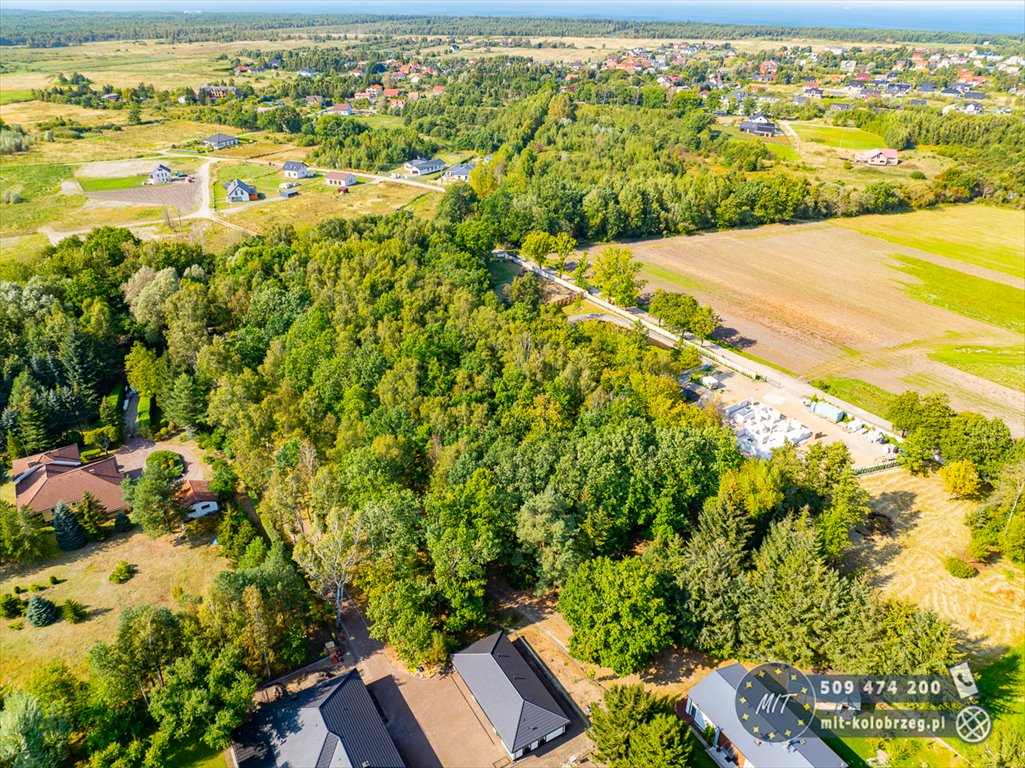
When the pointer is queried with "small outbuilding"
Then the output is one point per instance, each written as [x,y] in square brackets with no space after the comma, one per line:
[288,193]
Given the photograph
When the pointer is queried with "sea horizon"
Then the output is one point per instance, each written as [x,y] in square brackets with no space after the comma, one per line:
[988,16]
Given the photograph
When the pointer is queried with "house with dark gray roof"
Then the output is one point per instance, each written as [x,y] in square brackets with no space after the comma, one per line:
[422,167]
[220,141]
[521,709]
[759,126]
[334,724]
[710,707]
[296,169]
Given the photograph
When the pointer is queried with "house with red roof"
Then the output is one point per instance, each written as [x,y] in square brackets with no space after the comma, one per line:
[43,480]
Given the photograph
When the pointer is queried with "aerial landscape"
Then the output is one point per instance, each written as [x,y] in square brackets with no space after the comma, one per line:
[464,385]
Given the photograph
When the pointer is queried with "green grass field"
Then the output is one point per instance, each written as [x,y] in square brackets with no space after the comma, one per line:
[40,187]
[857,392]
[966,295]
[1002,365]
[105,185]
[976,234]
[11,95]
[836,136]
[265,178]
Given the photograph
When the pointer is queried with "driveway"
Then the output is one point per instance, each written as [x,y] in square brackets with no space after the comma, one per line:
[132,456]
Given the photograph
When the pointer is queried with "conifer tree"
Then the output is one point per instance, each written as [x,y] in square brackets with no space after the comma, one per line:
[67,529]
[41,612]
[91,514]
[122,522]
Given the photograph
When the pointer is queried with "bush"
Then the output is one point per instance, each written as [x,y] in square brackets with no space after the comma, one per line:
[917,175]
[979,549]
[122,572]
[11,606]
[224,481]
[166,460]
[73,612]
[19,589]
[122,523]
[36,588]
[54,580]
[958,568]
[40,612]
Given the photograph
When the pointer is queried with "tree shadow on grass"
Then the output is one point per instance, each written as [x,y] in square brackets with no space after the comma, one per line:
[57,558]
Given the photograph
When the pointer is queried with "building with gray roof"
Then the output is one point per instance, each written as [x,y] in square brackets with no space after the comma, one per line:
[334,724]
[521,709]
[713,703]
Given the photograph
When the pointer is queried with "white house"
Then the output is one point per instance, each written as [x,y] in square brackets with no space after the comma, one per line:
[339,179]
[460,172]
[296,169]
[523,713]
[196,496]
[220,141]
[237,191]
[710,707]
[159,175]
[421,167]
[877,157]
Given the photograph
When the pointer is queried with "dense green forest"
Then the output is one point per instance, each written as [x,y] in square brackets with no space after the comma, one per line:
[48,29]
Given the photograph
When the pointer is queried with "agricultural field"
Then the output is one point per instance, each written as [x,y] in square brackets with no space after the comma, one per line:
[160,565]
[908,564]
[874,317]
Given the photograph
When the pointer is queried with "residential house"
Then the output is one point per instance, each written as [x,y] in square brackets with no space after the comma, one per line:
[340,109]
[334,723]
[196,496]
[759,125]
[339,179]
[459,172]
[711,704]
[296,169]
[237,191]
[877,157]
[111,98]
[217,92]
[917,103]
[421,167]
[314,101]
[974,95]
[926,88]
[159,175]
[973,108]
[43,480]
[520,708]
[390,93]
[220,141]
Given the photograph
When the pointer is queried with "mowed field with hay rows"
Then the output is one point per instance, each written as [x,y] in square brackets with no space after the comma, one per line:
[931,304]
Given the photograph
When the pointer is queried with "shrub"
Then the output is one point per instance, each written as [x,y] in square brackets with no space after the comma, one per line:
[73,612]
[11,606]
[165,460]
[16,625]
[40,612]
[958,568]
[11,197]
[19,589]
[122,572]
[36,588]
[917,175]
[122,523]
[54,580]
[979,549]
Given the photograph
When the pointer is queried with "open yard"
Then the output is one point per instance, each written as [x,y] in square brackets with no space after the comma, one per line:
[908,564]
[828,303]
[160,567]
[837,136]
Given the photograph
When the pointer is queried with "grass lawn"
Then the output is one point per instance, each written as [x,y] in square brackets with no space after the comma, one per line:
[317,201]
[1002,365]
[977,234]
[103,185]
[1001,692]
[670,276]
[920,753]
[196,756]
[966,295]
[160,567]
[503,273]
[265,178]
[40,187]
[10,95]
[836,136]
[857,392]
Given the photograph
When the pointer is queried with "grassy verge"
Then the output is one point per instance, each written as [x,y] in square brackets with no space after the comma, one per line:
[670,277]
[967,295]
[856,392]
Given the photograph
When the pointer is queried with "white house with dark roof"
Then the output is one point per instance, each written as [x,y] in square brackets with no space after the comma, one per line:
[459,172]
[296,169]
[159,175]
[220,141]
[759,125]
[520,708]
[421,167]
[237,191]
[710,707]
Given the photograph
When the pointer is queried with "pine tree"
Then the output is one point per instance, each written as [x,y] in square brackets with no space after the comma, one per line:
[33,422]
[67,529]
[91,514]
[122,523]
[41,612]
[184,403]
[14,448]
[80,370]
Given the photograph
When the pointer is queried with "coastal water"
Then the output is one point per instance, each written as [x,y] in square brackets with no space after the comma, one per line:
[978,16]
